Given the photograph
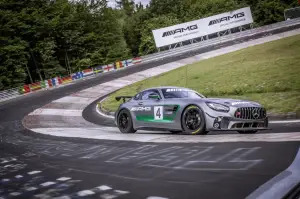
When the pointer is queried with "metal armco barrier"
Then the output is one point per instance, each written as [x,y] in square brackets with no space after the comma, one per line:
[223,40]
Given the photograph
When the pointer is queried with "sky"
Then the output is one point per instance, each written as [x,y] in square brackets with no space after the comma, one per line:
[111,3]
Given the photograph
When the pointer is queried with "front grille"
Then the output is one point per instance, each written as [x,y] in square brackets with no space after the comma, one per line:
[250,113]
[249,125]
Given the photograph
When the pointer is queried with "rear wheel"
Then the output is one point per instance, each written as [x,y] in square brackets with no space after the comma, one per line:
[193,121]
[247,132]
[125,124]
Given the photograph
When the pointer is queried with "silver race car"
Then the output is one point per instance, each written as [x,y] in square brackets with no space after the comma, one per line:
[179,109]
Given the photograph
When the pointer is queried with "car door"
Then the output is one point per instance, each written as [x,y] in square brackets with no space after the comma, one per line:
[150,111]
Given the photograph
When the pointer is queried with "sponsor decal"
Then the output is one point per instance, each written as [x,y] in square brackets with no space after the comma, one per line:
[227,18]
[176,90]
[236,103]
[180,30]
[141,108]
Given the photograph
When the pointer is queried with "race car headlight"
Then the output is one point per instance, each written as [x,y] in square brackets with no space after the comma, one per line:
[217,107]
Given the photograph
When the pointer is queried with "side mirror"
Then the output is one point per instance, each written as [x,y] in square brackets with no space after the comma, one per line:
[154,96]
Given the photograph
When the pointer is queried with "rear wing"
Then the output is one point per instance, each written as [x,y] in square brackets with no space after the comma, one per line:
[118,98]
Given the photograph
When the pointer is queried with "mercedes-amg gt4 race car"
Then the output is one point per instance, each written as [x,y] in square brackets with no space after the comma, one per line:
[177,109]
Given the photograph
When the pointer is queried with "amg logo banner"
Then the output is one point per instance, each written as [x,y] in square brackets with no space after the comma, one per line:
[141,109]
[227,18]
[196,29]
[180,30]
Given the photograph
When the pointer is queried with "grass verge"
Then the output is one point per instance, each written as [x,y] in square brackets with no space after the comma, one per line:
[268,73]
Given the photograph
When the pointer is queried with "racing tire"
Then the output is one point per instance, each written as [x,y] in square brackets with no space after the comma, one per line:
[193,121]
[124,122]
[247,132]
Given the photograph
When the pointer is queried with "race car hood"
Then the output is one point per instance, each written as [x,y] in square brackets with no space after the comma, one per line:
[233,102]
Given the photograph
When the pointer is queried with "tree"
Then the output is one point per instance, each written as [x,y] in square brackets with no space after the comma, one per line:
[59,37]
[147,44]
[13,62]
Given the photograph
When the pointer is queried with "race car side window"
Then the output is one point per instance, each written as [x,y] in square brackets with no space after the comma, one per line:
[180,93]
[145,95]
[137,96]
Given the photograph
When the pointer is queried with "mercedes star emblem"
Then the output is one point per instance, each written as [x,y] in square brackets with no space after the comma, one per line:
[255,113]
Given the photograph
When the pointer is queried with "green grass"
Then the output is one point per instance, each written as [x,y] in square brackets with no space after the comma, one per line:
[268,73]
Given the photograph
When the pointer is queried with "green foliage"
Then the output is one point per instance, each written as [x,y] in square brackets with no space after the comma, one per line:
[147,44]
[13,60]
[267,12]
[53,38]
[205,8]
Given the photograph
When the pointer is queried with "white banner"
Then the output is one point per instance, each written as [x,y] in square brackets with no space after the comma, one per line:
[202,27]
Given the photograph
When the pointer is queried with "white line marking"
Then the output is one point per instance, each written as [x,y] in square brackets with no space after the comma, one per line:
[100,113]
[63,179]
[284,121]
[62,197]
[122,192]
[5,180]
[85,193]
[18,176]
[108,196]
[103,188]
[74,100]
[34,172]
[15,194]
[31,189]
[42,196]
[60,112]
[6,161]
[46,184]
[155,197]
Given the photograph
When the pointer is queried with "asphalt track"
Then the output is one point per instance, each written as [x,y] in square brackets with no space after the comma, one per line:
[39,166]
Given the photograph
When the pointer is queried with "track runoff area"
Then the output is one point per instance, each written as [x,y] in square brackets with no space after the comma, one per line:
[85,158]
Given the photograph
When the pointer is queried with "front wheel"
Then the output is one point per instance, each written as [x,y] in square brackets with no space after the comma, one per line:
[247,132]
[125,124]
[193,121]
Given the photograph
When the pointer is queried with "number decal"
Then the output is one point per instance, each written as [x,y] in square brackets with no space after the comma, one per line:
[158,112]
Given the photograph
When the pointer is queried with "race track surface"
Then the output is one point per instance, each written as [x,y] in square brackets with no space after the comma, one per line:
[41,166]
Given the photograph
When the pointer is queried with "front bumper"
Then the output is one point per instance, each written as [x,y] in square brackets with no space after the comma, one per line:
[235,124]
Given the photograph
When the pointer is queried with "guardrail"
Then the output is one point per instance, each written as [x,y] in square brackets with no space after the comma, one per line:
[58,81]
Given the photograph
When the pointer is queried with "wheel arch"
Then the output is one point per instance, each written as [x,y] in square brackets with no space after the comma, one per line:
[192,104]
[125,108]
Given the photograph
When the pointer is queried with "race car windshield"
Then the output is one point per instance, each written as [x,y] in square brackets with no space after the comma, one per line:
[180,93]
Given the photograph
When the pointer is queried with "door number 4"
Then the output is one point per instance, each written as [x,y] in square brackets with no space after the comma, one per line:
[158,112]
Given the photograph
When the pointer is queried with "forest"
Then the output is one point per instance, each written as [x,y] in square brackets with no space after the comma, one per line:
[48,38]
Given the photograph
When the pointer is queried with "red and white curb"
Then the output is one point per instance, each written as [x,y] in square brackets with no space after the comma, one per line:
[63,117]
